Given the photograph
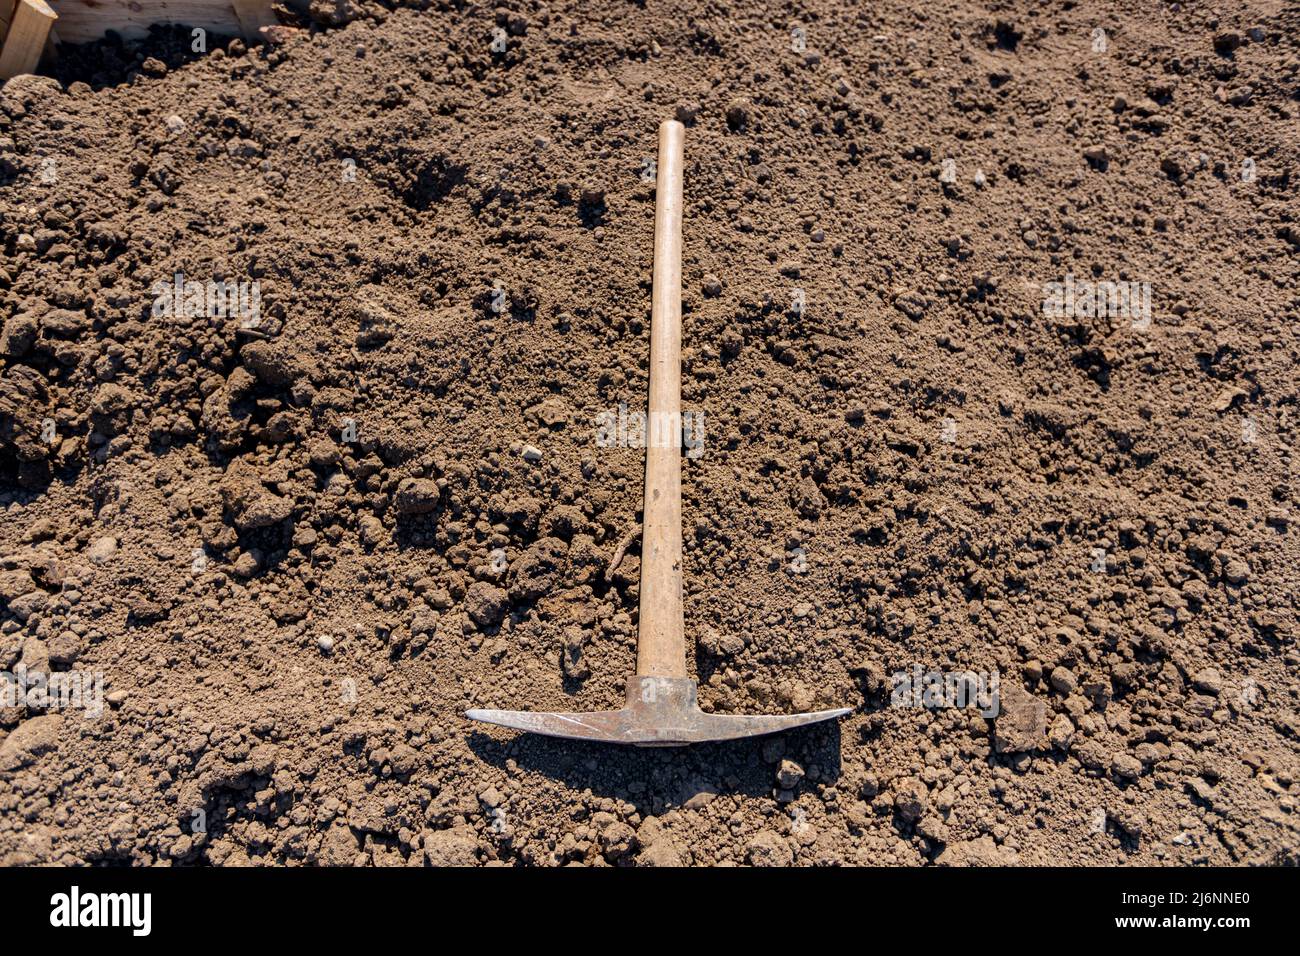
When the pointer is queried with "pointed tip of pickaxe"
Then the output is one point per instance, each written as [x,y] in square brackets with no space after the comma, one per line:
[660,712]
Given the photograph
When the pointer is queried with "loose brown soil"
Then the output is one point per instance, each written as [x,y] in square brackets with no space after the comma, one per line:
[298,548]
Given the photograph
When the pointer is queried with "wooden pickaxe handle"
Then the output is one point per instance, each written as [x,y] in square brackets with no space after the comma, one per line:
[661,639]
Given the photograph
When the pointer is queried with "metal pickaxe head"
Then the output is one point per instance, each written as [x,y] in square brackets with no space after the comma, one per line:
[660,712]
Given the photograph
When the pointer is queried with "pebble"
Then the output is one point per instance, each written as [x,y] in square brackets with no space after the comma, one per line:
[789,774]
[663,852]
[31,739]
[532,453]
[416,496]
[25,606]
[911,798]
[1021,723]
[371,529]
[325,643]
[1063,680]
[765,848]
[686,113]
[101,549]
[1126,766]
[1096,155]
[700,800]
[1208,680]
[486,603]
[19,335]
[738,114]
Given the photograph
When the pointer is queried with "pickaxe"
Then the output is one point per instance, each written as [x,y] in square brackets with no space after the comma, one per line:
[661,708]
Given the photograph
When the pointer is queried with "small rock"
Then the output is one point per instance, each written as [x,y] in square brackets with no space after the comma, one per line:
[371,531]
[1061,732]
[338,847]
[663,852]
[532,453]
[1063,679]
[247,563]
[250,503]
[912,304]
[325,643]
[486,603]
[712,287]
[25,606]
[870,786]
[375,324]
[788,774]
[572,659]
[64,321]
[1021,723]
[19,335]
[766,848]
[456,847]
[101,549]
[1208,681]
[552,413]
[1201,790]
[1097,157]
[335,13]
[982,851]
[272,362]
[1224,400]
[911,798]
[1126,765]
[616,841]
[724,644]
[699,800]
[933,829]
[111,398]
[30,740]
[739,113]
[35,656]
[14,584]
[65,648]
[416,496]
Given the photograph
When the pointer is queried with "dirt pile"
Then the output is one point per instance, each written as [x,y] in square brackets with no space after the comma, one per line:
[304,350]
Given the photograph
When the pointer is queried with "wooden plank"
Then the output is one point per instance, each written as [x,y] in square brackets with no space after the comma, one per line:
[6,14]
[25,41]
[253,15]
[84,21]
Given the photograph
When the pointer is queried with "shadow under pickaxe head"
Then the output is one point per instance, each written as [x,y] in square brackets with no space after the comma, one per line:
[660,712]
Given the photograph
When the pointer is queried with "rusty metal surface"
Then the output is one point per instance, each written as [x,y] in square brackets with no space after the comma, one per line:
[660,712]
